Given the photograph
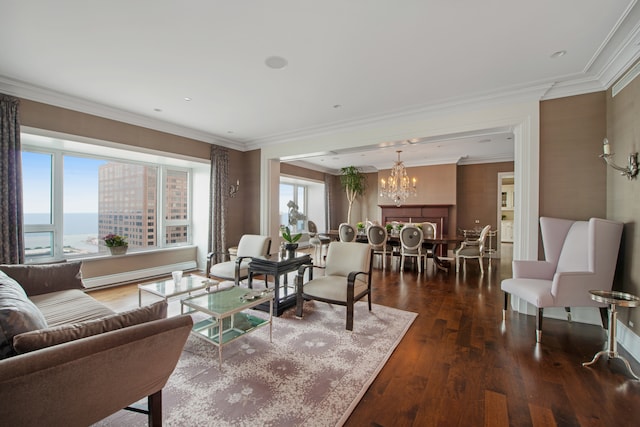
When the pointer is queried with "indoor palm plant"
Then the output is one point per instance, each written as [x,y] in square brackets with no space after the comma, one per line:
[354,183]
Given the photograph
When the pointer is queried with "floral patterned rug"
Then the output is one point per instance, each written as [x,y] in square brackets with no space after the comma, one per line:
[312,374]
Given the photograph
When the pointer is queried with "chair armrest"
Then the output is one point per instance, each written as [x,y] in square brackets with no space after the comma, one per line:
[525,269]
[302,269]
[571,288]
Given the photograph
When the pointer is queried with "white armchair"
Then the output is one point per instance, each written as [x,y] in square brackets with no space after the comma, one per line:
[473,249]
[347,278]
[579,256]
[250,246]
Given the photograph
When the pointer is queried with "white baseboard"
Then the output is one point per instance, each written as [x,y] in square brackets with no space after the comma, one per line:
[112,279]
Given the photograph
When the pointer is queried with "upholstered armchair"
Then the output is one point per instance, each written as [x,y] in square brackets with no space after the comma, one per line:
[411,238]
[579,256]
[317,241]
[346,232]
[250,246]
[347,278]
[473,249]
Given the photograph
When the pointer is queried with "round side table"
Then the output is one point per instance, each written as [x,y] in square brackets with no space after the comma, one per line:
[614,299]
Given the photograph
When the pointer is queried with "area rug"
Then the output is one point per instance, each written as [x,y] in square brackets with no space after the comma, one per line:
[314,372]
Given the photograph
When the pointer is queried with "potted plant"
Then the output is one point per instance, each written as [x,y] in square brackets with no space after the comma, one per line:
[360,226]
[354,183]
[117,244]
[389,227]
[292,240]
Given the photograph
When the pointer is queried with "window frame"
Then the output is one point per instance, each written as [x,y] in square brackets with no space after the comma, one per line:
[93,151]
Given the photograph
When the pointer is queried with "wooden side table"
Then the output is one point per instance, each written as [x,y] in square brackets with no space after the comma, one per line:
[614,299]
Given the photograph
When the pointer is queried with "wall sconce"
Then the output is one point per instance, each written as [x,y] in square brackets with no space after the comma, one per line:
[233,189]
[632,168]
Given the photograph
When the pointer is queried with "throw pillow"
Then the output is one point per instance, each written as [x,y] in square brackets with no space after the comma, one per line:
[35,340]
[39,279]
[17,314]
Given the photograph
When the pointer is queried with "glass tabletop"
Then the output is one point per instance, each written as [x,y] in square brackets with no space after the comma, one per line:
[227,301]
[621,299]
[187,284]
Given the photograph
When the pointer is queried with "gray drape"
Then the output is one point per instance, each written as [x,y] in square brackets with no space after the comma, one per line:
[218,197]
[11,218]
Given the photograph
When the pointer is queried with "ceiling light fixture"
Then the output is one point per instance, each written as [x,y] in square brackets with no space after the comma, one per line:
[276,62]
[398,186]
[558,54]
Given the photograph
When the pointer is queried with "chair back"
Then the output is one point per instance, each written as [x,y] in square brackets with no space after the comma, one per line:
[313,230]
[253,245]
[377,236]
[346,232]
[411,238]
[483,237]
[429,230]
[345,257]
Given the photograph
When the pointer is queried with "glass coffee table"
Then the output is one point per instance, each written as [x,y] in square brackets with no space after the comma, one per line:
[227,319]
[167,288]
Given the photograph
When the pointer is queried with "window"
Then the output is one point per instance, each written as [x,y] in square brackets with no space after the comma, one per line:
[301,200]
[72,200]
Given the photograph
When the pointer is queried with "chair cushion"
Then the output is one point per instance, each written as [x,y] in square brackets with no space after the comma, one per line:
[343,258]
[332,287]
[252,245]
[35,340]
[227,270]
[18,314]
[70,306]
[534,291]
[45,278]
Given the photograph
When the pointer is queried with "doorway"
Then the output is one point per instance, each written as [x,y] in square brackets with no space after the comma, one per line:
[506,214]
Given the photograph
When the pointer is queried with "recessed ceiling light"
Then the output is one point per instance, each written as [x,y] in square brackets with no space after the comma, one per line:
[276,62]
[229,131]
[186,98]
[157,110]
[337,106]
[558,54]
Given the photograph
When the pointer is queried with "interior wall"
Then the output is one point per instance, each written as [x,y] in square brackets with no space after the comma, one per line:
[623,195]
[572,176]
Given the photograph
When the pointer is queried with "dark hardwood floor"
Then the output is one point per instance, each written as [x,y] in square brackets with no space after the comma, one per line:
[460,365]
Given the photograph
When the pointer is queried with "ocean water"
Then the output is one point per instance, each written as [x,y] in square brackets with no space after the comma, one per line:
[80,234]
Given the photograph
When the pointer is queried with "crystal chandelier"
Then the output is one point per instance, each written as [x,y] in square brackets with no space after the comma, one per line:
[398,187]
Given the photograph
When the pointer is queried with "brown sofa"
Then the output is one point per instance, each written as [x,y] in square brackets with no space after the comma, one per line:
[67,359]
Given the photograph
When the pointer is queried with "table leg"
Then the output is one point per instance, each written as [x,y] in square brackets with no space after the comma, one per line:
[220,321]
[612,346]
[139,297]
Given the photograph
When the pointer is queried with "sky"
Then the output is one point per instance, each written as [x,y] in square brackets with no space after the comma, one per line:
[80,183]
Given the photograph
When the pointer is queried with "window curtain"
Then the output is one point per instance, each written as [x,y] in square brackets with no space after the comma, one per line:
[11,218]
[218,206]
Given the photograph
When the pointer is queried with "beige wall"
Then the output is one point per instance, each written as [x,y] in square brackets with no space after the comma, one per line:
[477,193]
[572,176]
[623,195]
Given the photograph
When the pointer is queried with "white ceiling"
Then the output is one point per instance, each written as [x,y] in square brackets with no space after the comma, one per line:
[350,62]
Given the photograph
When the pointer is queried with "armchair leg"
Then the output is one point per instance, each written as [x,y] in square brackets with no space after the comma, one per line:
[568,310]
[155,409]
[539,325]
[506,306]
[299,299]
[481,265]
[350,317]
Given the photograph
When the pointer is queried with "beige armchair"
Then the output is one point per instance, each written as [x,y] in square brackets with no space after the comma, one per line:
[250,246]
[347,278]
[474,249]
[579,256]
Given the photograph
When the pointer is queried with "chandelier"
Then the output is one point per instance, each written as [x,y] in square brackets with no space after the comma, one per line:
[398,187]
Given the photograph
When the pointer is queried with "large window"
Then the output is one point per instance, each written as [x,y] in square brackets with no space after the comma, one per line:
[72,200]
[301,200]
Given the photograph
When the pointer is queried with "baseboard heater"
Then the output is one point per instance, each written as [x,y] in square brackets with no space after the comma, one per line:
[130,276]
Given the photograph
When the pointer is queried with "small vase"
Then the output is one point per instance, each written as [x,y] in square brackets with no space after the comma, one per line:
[118,250]
[291,250]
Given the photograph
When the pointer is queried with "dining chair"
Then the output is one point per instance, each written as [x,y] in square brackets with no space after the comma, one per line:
[346,232]
[317,241]
[473,249]
[411,238]
[377,236]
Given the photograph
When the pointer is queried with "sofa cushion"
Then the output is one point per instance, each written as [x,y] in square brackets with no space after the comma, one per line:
[34,340]
[70,306]
[39,279]
[17,314]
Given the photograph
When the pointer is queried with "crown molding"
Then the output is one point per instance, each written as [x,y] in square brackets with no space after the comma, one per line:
[38,94]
